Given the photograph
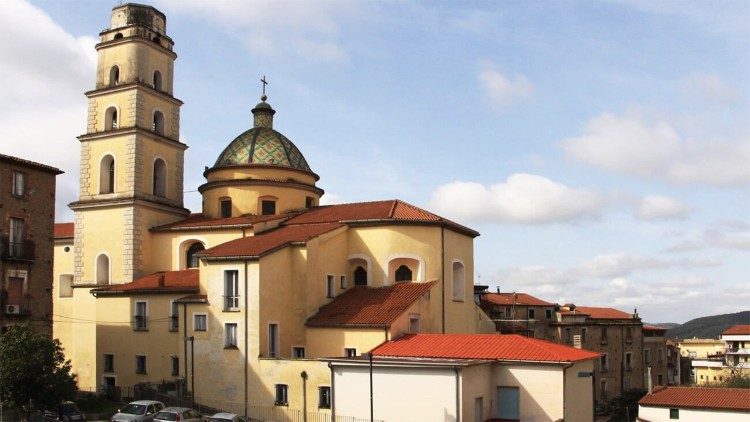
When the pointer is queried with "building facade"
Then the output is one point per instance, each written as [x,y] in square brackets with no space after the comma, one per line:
[27,215]
[519,313]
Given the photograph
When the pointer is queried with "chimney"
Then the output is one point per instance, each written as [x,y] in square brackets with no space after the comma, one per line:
[498,289]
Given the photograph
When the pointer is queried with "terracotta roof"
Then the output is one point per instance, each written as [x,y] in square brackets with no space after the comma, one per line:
[520,299]
[653,328]
[379,211]
[737,330]
[193,299]
[31,164]
[506,347]
[267,242]
[199,221]
[63,230]
[699,397]
[602,313]
[369,306]
[182,281]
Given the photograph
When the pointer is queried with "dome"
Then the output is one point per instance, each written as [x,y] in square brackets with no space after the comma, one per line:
[262,145]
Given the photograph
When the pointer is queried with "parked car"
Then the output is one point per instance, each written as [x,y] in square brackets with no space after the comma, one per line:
[138,411]
[226,417]
[65,411]
[181,414]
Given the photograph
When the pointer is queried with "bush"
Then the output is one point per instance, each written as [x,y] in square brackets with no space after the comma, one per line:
[624,407]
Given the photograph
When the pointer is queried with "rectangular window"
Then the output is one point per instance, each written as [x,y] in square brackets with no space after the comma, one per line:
[19,185]
[309,202]
[298,352]
[141,316]
[628,334]
[604,335]
[568,337]
[200,322]
[324,397]
[15,246]
[231,290]
[140,364]
[628,361]
[174,317]
[329,286]
[603,363]
[660,380]
[647,357]
[268,207]
[413,323]
[175,366]
[583,334]
[548,313]
[65,287]
[109,363]
[273,340]
[531,313]
[508,312]
[674,413]
[342,282]
[281,395]
[350,352]
[225,208]
[603,389]
[659,355]
[230,336]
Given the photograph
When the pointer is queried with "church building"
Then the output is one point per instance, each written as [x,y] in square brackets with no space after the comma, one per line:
[240,300]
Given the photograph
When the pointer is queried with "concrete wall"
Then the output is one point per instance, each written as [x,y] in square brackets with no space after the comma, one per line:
[661,414]
[540,389]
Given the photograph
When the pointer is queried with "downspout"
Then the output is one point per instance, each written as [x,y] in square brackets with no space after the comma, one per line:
[247,293]
[184,342]
[442,274]
[565,401]
[458,393]
[622,358]
[333,393]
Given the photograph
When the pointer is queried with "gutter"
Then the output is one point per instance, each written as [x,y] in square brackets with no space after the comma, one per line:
[565,402]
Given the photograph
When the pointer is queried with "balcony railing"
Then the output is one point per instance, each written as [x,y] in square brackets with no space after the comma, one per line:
[23,250]
[231,303]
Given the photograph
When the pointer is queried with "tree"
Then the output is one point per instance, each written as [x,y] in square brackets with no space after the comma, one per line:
[34,374]
[624,407]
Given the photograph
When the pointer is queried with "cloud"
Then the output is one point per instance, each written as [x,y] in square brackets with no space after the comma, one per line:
[501,90]
[723,235]
[330,199]
[522,199]
[45,71]
[710,89]
[654,150]
[616,265]
[657,207]
[272,28]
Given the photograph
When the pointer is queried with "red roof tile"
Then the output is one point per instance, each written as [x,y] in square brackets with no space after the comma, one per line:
[737,330]
[602,313]
[63,230]
[364,212]
[653,328]
[30,164]
[699,397]
[182,281]
[267,242]
[368,306]
[508,299]
[199,221]
[508,347]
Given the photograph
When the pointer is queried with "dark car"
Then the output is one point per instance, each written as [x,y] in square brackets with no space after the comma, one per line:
[66,411]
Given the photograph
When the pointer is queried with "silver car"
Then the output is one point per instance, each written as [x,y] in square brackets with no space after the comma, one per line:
[138,411]
[226,417]
[182,414]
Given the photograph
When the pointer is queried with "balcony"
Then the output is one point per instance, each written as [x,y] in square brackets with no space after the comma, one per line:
[16,251]
[231,303]
[738,351]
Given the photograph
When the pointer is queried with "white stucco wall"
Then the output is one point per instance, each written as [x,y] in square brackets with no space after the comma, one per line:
[658,414]
[540,389]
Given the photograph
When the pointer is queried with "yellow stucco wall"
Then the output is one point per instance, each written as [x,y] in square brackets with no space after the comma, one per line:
[330,342]
[702,347]
[540,389]
[246,198]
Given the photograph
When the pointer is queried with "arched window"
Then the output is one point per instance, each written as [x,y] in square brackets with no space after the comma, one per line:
[102,269]
[403,273]
[191,260]
[118,36]
[157,80]
[114,75]
[156,39]
[459,278]
[110,119]
[107,174]
[160,178]
[157,124]
[360,276]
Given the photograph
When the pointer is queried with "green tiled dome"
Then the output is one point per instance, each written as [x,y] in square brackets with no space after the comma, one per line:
[262,145]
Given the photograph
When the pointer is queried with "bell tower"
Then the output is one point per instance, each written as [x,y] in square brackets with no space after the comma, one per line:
[131,156]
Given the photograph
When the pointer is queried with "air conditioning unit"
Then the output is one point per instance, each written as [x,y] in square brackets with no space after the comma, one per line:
[12,309]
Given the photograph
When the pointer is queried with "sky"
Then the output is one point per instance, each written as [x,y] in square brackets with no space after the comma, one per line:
[602,149]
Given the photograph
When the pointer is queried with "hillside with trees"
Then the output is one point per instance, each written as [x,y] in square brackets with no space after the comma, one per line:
[708,326]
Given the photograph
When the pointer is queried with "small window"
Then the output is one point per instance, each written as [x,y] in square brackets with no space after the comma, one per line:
[191,257]
[324,397]
[532,313]
[548,313]
[19,184]
[281,395]
[508,312]
[140,364]
[459,281]
[66,285]
[604,335]
[157,122]
[107,174]
[174,317]
[350,352]
[660,380]
[230,336]
[603,389]
[403,273]
[298,352]
[628,361]
[114,72]
[647,357]
[175,366]
[583,334]
[674,413]
[603,363]
[225,208]
[342,282]
[413,323]
[231,290]
[268,207]
[273,340]
[109,362]
[329,286]
[309,202]
[118,36]
[568,336]
[102,269]
[110,119]
[360,276]
[200,322]
[160,178]
[141,316]
[157,80]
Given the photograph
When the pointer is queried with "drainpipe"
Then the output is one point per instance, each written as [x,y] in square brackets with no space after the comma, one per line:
[442,274]
[303,375]
[247,294]
[458,393]
[333,393]
[184,325]
[565,379]
[372,412]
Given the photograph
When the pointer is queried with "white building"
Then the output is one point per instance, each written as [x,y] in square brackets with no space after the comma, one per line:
[466,377]
[695,404]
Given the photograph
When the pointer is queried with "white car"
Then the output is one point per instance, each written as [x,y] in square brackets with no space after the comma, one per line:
[226,417]
[182,414]
[138,411]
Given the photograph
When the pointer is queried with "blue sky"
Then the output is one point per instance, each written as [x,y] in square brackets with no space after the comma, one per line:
[601,148]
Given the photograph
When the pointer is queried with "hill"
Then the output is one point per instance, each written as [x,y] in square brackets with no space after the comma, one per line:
[708,326]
